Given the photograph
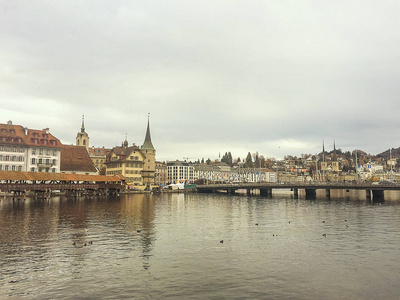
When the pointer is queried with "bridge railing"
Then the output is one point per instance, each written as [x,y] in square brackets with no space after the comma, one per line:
[8,187]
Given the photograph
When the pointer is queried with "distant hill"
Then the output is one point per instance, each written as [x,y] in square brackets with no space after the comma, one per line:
[386,154]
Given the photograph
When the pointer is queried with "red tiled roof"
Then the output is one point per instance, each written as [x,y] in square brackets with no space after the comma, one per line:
[18,135]
[76,159]
[40,176]
[98,151]
[123,153]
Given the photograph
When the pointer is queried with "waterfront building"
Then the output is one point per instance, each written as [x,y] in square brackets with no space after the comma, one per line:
[180,172]
[161,175]
[98,157]
[82,138]
[149,166]
[136,164]
[76,160]
[23,149]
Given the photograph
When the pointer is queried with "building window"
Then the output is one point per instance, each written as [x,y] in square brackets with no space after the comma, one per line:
[40,151]
[54,161]
[1,167]
[47,161]
[32,169]
[47,170]
[14,158]
[40,161]
[48,152]
[33,161]
[54,151]
[14,149]
[21,150]
[7,158]
[6,168]
[8,149]
[20,168]
[33,151]
[53,170]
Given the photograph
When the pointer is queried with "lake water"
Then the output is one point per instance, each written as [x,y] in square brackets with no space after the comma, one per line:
[168,246]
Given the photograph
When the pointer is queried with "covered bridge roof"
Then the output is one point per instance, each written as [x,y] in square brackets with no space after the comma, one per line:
[41,176]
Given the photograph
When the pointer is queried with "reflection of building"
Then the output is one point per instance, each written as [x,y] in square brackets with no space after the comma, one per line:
[76,160]
[136,164]
[180,171]
[23,149]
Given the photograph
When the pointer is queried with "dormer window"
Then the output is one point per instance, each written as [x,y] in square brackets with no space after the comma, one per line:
[12,130]
[35,134]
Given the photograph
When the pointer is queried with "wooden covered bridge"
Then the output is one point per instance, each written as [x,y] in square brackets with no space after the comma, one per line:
[43,184]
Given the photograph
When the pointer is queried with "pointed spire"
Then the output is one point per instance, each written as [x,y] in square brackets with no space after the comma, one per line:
[147,141]
[125,144]
[323,150]
[334,151]
[83,124]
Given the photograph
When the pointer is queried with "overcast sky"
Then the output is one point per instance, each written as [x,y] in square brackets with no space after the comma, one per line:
[277,77]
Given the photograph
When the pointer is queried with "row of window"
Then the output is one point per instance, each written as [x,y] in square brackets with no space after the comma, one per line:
[132,172]
[11,149]
[114,172]
[114,166]
[46,161]
[10,139]
[130,179]
[43,151]
[10,168]
[133,165]
[47,170]
[44,142]
[11,158]
[12,130]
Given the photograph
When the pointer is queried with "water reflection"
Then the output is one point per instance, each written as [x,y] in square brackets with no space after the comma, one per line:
[160,246]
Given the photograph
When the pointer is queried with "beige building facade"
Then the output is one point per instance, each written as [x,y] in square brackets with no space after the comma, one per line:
[136,164]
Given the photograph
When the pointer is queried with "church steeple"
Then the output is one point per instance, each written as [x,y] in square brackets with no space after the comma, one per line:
[148,145]
[83,124]
[125,144]
[82,138]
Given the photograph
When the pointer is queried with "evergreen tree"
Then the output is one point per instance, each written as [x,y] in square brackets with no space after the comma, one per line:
[249,162]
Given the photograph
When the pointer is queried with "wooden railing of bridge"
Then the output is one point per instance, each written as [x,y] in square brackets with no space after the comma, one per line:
[20,183]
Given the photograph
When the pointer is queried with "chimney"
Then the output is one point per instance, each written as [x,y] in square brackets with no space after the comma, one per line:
[46,129]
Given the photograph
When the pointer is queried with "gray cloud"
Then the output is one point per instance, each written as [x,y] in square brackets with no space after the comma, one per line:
[239,76]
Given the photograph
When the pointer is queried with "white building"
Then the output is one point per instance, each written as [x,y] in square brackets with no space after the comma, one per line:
[180,172]
[23,149]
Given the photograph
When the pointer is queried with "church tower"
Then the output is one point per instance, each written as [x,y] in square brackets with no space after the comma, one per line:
[335,163]
[149,167]
[82,138]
